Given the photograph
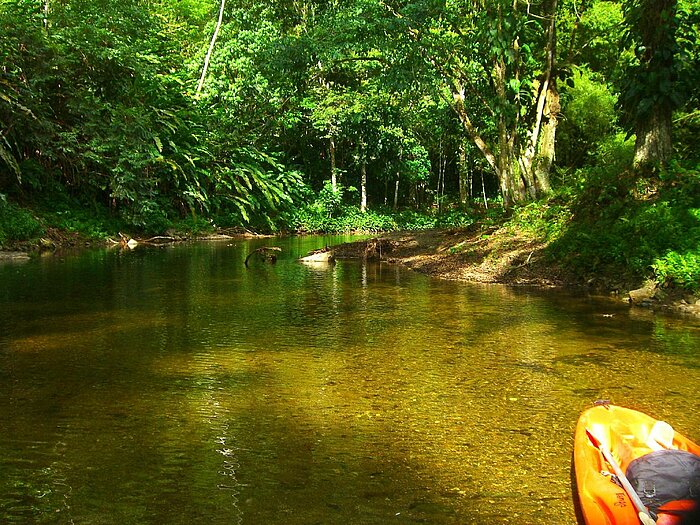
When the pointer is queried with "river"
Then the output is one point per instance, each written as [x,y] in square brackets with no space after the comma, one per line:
[173,385]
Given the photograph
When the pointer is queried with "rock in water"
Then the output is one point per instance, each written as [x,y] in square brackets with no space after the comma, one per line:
[321,256]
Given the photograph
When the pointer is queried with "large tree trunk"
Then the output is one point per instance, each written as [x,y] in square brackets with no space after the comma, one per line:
[552,107]
[546,147]
[514,188]
[653,146]
[538,157]
[656,27]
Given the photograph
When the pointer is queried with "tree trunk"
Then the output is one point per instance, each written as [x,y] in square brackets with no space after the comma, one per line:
[334,178]
[396,195]
[211,47]
[547,142]
[464,178]
[653,146]
[441,176]
[537,158]
[398,177]
[513,188]
[470,129]
[363,184]
[656,26]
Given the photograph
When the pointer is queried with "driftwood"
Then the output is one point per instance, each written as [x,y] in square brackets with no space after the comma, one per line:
[159,239]
[129,242]
[267,252]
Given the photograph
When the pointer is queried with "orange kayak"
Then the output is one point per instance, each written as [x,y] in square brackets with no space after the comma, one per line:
[629,435]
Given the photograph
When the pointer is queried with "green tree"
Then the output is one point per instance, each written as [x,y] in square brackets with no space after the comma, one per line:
[497,66]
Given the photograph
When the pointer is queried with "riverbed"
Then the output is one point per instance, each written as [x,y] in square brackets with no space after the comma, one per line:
[175,385]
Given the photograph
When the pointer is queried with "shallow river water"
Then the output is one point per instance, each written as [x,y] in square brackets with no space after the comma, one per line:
[174,386]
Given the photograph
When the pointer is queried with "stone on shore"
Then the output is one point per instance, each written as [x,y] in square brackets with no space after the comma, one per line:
[645,295]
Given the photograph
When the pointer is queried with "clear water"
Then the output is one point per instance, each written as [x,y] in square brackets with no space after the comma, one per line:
[173,385]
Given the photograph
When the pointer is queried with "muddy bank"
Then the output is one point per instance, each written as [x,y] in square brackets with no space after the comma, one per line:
[493,255]
[464,255]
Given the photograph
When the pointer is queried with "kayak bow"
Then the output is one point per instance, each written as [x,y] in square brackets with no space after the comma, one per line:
[623,435]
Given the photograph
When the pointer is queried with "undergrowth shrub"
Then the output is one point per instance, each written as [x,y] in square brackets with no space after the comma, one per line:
[635,228]
[680,269]
[193,225]
[315,218]
[543,220]
[606,184]
[17,224]
[89,222]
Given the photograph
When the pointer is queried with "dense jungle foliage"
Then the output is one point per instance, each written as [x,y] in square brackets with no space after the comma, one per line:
[576,120]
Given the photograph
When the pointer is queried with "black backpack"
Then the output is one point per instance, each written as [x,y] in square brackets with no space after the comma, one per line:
[663,476]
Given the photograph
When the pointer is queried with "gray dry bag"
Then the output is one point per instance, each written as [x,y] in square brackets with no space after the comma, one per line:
[663,476]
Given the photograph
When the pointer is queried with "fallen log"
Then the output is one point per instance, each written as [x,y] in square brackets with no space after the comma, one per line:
[267,252]
[159,239]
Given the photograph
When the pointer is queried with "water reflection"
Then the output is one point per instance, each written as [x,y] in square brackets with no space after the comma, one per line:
[172,385]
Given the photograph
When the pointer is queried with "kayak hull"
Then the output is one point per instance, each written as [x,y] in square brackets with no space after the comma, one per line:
[628,434]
